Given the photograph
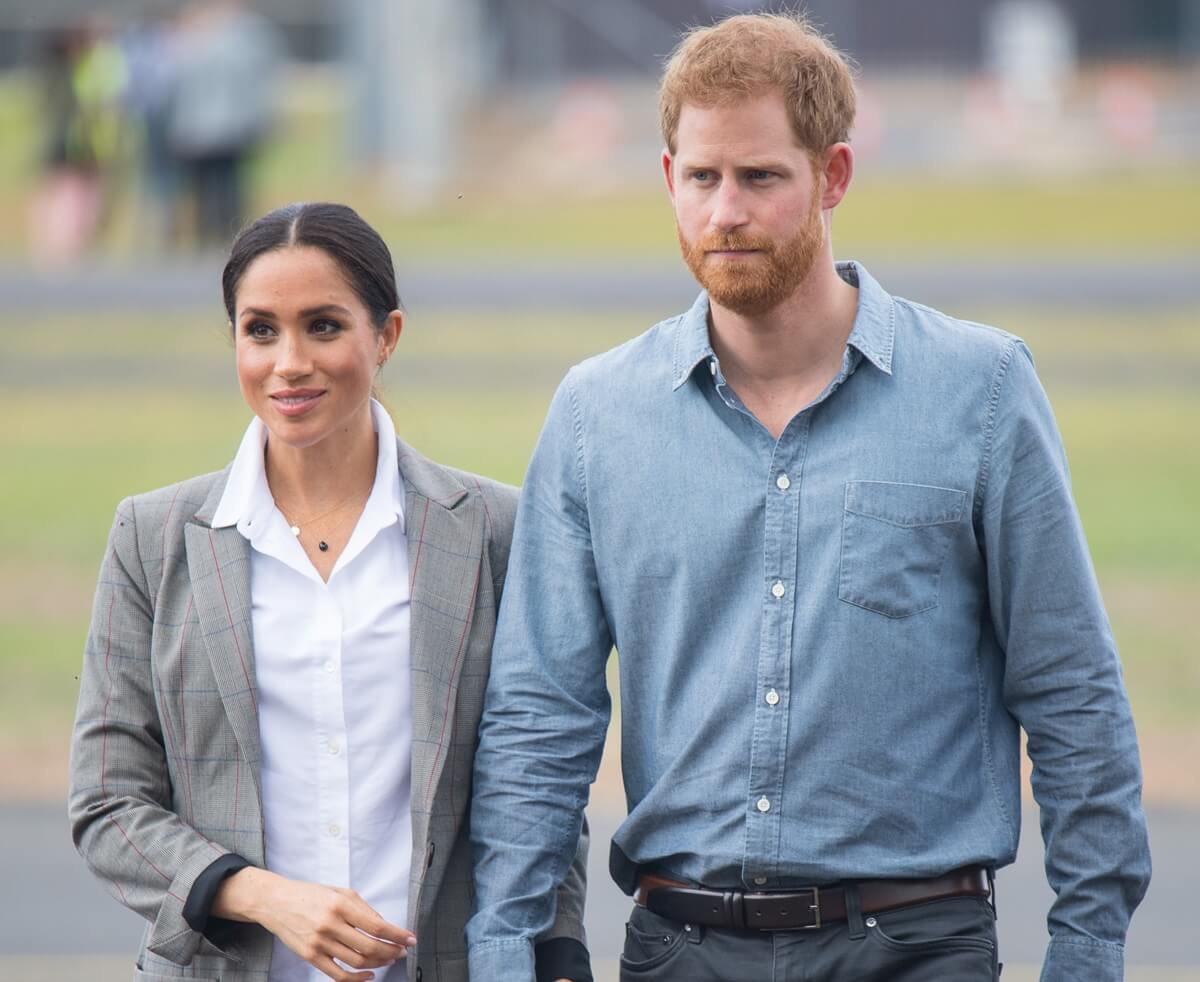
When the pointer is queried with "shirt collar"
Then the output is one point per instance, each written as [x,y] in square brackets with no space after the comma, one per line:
[387,496]
[692,344]
[247,497]
[873,333]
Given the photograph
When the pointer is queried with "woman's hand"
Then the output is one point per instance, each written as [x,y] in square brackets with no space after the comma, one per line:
[318,923]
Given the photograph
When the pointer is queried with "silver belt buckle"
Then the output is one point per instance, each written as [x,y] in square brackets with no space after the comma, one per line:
[815,907]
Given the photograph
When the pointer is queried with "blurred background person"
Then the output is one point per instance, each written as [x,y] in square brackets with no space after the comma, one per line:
[220,109]
[149,45]
[83,74]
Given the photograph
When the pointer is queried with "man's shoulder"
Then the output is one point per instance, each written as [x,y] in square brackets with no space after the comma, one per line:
[936,335]
[946,327]
[632,365]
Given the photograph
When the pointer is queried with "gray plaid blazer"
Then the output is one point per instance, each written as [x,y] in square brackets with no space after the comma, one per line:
[165,754]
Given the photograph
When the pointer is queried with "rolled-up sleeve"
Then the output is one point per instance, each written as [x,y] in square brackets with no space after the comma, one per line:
[1062,681]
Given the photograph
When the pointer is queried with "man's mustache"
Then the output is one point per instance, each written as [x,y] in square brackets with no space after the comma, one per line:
[733,242]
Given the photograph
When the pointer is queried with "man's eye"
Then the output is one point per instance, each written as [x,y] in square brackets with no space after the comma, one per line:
[702,175]
[758,175]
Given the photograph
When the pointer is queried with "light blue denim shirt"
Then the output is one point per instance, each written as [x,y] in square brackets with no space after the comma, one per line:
[828,642]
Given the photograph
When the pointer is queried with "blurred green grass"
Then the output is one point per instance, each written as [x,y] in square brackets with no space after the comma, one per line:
[471,390]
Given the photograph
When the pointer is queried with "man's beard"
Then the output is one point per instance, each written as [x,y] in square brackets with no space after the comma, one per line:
[756,284]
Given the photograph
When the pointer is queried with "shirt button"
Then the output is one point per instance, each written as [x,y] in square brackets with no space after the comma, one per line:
[763,805]
[760,881]
[330,666]
[772,698]
[777,590]
[333,748]
[782,482]
[335,830]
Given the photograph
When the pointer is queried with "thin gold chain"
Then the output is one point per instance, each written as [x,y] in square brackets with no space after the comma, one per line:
[297,526]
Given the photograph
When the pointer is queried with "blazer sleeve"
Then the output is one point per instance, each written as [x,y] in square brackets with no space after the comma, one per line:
[119,805]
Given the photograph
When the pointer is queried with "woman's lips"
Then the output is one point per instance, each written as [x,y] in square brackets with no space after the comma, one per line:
[296,402]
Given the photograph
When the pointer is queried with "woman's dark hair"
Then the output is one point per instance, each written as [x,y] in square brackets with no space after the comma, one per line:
[338,231]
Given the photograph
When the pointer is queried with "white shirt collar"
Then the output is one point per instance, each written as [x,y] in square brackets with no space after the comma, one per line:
[247,502]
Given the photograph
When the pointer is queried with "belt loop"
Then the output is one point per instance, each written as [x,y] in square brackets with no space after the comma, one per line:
[854,917]
[735,909]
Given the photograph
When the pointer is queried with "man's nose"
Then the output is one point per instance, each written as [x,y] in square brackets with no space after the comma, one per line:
[729,207]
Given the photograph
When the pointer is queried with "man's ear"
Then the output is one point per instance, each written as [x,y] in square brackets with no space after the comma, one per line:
[668,173]
[837,169]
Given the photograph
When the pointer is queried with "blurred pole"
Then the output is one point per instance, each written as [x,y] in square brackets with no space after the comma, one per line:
[1031,50]
[417,67]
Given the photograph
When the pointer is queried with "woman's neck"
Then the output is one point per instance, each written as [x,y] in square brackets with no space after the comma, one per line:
[308,479]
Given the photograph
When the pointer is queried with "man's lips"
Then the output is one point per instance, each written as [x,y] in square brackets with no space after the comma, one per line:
[732,253]
[296,402]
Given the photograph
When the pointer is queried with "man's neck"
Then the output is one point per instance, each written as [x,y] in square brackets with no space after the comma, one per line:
[779,361]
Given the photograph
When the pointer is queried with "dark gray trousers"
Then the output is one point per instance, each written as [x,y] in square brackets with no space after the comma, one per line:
[941,941]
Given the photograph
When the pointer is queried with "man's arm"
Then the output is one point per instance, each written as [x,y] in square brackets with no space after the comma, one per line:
[1062,681]
[563,953]
[546,711]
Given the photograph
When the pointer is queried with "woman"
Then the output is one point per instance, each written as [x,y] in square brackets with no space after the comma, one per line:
[286,663]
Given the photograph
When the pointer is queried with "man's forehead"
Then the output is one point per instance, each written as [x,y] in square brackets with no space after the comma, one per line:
[755,124]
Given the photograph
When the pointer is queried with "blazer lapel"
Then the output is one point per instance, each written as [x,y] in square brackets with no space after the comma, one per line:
[445,528]
[219,567]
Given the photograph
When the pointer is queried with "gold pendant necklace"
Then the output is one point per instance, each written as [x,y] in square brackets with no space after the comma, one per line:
[295,527]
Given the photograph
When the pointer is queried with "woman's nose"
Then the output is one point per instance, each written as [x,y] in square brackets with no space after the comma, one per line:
[292,359]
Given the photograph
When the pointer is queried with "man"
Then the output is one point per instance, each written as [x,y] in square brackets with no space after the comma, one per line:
[831,535]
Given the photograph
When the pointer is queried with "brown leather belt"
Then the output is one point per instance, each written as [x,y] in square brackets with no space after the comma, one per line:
[800,909]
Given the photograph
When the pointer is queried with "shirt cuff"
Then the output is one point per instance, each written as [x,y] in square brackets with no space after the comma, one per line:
[501,961]
[562,958]
[1068,959]
[198,906]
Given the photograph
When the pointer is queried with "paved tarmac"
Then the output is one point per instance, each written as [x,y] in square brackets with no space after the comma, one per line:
[54,915]
[648,286]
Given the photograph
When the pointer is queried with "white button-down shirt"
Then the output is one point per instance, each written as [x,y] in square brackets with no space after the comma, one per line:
[332,665]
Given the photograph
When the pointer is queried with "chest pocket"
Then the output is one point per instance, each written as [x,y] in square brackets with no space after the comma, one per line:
[895,538]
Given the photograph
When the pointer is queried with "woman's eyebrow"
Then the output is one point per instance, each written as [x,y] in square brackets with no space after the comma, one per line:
[325,308]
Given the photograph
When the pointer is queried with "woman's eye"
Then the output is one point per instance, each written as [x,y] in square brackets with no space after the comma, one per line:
[325,327]
[259,331]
